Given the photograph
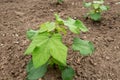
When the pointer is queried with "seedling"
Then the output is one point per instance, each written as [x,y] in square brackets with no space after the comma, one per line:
[47,48]
[96,9]
[60,1]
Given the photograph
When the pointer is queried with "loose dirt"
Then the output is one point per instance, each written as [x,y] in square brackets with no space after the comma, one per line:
[18,16]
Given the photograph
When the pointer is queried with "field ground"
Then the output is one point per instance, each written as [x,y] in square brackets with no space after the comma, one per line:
[17,16]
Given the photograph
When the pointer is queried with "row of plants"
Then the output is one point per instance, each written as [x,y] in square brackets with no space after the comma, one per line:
[47,47]
[96,7]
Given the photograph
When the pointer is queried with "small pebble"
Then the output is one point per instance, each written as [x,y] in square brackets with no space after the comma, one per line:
[107,57]
[51,10]
[19,13]
[1,44]
[3,35]
[16,42]
[117,3]
[16,35]
[73,3]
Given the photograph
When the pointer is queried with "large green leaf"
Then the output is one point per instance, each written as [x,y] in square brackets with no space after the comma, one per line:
[85,47]
[35,73]
[48,26]
[75,25]
[70,23]
[81,26]
[44,46]
[37,39]
[68,73]
[57,49]
[40,55]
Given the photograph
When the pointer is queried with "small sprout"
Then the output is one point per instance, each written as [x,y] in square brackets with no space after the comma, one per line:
[96,9]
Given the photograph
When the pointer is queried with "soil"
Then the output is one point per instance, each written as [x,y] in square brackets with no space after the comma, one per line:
[18,16]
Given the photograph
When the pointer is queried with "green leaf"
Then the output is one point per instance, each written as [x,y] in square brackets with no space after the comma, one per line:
[57,49]
[40,55]
[58,19]
[95,16]
[31,34]
[36,40]
[61,68]
[96,6]
[61,29]
[68,73]
[75,25]
[35,73]
[81,26]
[60,1]
[104,8]
[88,4]
[70,23]
[85,47]
[48,26]
[46,45]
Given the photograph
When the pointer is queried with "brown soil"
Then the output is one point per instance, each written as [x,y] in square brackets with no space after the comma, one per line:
[17,16]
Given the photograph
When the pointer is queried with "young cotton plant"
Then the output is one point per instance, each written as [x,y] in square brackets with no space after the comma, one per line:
[47,48]
[96,9]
